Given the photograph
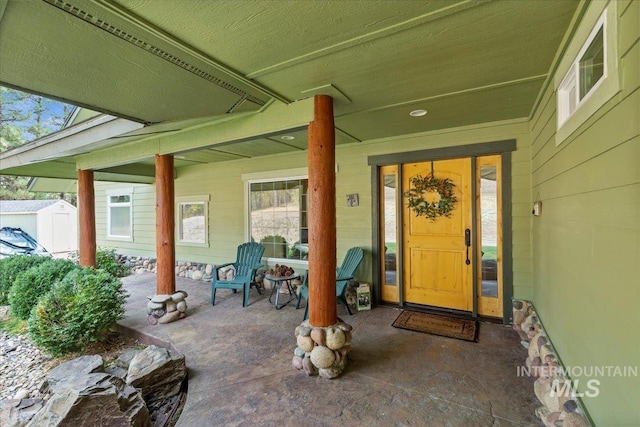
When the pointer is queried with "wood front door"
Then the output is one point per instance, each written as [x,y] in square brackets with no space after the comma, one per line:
[437,263]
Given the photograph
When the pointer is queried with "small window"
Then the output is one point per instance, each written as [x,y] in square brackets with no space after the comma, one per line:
[119,216]
[192,222]
[592,64]
[591,78]
[588,71]
[278,217]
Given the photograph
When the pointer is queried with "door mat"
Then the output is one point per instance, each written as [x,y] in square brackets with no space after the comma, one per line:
[463,329]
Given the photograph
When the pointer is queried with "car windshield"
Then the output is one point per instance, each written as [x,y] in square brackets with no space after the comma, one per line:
[15,241]
[6,250]
[17,238]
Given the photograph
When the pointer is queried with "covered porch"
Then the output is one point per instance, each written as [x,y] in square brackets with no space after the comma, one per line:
[199,105]
[239,364]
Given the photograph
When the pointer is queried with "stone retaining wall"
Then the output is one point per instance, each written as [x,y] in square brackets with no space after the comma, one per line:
[188,269]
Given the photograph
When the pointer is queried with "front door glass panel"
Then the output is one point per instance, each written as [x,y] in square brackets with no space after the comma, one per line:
[389,232]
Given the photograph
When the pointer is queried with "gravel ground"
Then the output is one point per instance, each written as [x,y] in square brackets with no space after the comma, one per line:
[24,367]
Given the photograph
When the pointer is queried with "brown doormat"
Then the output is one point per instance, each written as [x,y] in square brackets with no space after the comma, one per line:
[463,329]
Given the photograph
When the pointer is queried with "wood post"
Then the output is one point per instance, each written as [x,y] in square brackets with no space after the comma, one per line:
[165,237]
[87,218]
[322,215]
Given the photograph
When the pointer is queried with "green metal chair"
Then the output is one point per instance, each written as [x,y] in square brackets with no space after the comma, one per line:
[246,264]
[344,274]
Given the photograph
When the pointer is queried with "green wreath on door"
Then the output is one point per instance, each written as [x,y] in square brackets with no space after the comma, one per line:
[416,201]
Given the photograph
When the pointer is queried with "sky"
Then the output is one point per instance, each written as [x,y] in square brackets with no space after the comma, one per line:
[52,114]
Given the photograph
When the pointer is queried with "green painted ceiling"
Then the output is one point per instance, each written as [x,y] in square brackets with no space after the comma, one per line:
[179,61]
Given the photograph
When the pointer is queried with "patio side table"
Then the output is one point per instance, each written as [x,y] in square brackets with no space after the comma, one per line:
[278,282]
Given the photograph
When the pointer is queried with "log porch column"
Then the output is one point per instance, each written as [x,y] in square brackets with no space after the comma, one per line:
[87,215]
[165,240]
[322,215]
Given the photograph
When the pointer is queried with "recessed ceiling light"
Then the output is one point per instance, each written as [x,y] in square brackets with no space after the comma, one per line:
[287,137]
[180,157]
[418,113]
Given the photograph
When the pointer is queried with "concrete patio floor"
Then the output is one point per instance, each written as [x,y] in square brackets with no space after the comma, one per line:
[240,372]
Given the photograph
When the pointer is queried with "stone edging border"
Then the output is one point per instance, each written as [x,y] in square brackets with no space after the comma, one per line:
[145,338]
[189,269]
[553,388]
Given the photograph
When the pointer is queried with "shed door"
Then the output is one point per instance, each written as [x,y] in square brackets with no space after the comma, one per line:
[61,232]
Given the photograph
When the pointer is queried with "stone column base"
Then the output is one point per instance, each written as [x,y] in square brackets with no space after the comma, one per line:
[167,308]
[322,350]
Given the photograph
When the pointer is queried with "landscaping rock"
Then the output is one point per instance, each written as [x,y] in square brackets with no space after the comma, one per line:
[124,360]
[117,371]
[18,412]
[78,402]
[21,394]
[157,373]
[73,369]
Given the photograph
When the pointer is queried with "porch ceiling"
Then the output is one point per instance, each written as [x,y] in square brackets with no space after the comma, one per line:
[466,62]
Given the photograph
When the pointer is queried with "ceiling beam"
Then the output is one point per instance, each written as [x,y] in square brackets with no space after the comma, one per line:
[66,141]
[131,169]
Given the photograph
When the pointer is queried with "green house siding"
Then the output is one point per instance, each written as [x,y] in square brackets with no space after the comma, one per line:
[223,184]
[144,218]
[586,243]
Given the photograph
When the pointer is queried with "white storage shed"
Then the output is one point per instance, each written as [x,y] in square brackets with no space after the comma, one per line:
[53,223]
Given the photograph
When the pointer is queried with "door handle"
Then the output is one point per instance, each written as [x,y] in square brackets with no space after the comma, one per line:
[467,243]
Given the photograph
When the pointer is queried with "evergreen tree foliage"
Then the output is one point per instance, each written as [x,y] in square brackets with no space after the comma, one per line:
[25,117]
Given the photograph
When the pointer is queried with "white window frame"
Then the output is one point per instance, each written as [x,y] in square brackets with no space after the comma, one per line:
[570,86]
[199,199]
[270,176]
[569,120]
[129,204]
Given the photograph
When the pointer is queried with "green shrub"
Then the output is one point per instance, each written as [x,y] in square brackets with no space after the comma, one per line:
[106,259]
[35,282]
[10,267]
[77,311]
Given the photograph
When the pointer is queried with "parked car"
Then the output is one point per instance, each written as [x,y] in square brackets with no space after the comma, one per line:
[15,241]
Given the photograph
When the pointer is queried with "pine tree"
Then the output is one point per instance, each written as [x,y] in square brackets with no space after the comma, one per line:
[12,114]
[23,118]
